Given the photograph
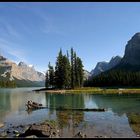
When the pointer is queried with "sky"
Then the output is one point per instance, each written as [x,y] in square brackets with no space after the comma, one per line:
[34,32]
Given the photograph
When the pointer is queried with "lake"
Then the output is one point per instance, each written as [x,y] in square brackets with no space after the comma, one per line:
[122,118]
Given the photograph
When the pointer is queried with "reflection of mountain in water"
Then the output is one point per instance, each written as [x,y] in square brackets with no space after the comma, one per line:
[4,101]
[13,101]
[119,104]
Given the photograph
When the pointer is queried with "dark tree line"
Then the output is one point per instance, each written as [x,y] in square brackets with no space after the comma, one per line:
[7,84]
[67,73]
[115,78]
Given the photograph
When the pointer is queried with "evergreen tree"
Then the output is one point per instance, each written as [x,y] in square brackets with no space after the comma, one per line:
[47,80]
[68,68]
[59,71]
[115,78]
[66,72]
[76,80]
[51,75]
[80,72]
[72,69]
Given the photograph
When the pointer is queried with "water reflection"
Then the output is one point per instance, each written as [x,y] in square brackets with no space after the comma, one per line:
[70,120]
[65,100]
[121,119]
[66,118]
[12,101]
[119,104]
[134,121]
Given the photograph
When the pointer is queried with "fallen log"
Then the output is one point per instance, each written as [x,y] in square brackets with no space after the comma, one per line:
[33,105]
[80,109]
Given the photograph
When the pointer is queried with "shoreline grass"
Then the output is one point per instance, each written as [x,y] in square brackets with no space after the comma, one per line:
[93,90]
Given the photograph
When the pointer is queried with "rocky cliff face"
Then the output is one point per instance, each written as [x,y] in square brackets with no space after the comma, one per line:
[132,51]
[100,67]
[23,71]
[104,66]
[130,60]
[20,72]
[86,74]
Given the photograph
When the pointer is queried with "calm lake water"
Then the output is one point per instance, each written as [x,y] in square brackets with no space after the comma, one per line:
[115,122]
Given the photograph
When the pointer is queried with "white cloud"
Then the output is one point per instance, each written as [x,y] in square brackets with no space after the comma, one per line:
[11,48]
[8,30]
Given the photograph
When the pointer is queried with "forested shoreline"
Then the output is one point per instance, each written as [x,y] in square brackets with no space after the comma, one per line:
[115,78]
[5,84]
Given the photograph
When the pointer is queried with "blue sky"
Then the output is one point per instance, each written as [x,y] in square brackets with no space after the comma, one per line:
[34,32]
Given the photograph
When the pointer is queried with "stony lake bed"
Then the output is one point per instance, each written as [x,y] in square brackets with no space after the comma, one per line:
[120,120]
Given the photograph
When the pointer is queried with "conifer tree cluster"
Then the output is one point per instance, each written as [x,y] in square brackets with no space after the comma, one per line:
[67,73]
[7,83]
[115,78]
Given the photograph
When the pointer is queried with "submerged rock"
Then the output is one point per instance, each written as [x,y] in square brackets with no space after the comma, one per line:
[3,134]
[32,136]
[15,132]
[1,125]
[41,130]
[80,135]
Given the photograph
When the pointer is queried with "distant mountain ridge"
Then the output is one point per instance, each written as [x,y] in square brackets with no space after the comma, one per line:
[104,66]
[23,74]
[129,62]
[126,73]
[132,51]
[87,74]
[131,58]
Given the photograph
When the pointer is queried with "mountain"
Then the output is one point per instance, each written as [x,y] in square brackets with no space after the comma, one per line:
[131,58]
[100,67]
[104,66]
[126,72]
[132,51]
[22,74]
[86,74]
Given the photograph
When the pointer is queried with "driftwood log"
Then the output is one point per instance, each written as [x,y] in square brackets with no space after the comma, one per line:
[33,105]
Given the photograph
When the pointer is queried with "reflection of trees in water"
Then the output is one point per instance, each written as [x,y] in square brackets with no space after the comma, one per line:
[57,100]
[66,118]
[64,100]
[5,101]
[63,118]
[119,104]
[134,122]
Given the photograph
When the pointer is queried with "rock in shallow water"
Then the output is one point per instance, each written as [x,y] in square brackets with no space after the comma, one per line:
[32,136]
[3,134]
[80,135]
[40,130]
[1,125]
